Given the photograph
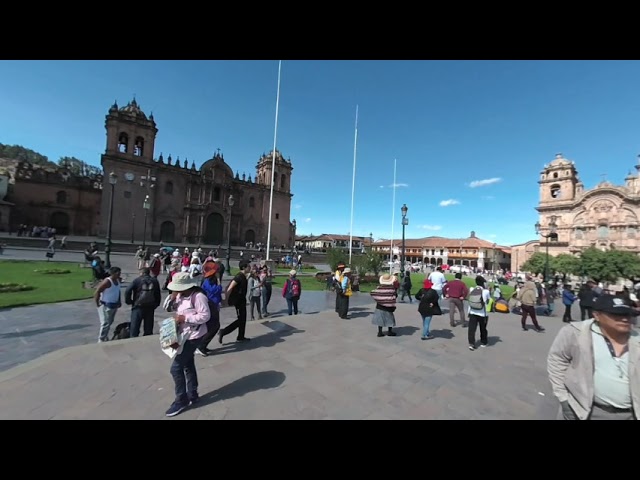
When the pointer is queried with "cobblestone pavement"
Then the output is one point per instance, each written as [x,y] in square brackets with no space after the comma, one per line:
[310,366]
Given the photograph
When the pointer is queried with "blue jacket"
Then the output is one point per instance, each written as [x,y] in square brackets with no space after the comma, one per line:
[568,297]
[213,291]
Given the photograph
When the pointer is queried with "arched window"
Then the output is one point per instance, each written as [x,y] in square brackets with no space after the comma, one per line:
[216,194]
[168,188]
[252,202]
[603,231]
[123,143]
[138,147]
[283,181]
[61,197]
[555,190]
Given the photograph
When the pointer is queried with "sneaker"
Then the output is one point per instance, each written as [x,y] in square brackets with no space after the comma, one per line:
[175,409]
[472,348]
[193,399]
[483,345]
[540,329]
[202,352]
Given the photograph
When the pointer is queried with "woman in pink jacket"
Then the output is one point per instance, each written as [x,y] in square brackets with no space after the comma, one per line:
[191,311]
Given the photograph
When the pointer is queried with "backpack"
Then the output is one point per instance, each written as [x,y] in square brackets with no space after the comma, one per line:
[476,302]
[295,288]
[146,297]
[221,268]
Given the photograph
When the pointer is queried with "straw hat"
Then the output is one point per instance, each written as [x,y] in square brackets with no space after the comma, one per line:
[293,273]
[387,279]
[182,282]
[346,270]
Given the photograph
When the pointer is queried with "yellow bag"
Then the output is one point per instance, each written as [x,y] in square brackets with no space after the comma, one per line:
[502,307]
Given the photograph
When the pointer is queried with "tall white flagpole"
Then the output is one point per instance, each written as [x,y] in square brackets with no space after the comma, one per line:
[353,185]
[273,163]
[393,209]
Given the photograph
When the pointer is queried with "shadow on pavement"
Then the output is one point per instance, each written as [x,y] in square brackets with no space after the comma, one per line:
[251,383]
[443,333]
[31,333]
[278,335]
[405,330]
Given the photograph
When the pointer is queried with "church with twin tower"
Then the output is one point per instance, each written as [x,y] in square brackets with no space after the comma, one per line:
[168,200]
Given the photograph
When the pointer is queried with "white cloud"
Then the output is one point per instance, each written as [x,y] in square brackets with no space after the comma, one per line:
[297,207]
[307,219]
[381,186]
[447,203]
[430,227]
[488,197]
[483,183]
[397,185]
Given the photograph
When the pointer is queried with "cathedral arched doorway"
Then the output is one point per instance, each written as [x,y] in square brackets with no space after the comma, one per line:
[60,221]
[250,236]
[215,229]
[167,232]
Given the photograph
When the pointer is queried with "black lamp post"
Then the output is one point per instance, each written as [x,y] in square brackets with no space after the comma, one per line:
[146,205]
[113,179]
[133,227]
[495,256]
[552,234]
[405,222]
[293,243]
[231,202]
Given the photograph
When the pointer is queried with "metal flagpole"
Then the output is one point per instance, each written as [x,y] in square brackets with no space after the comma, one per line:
[393,210]
[353,185]
[273,164]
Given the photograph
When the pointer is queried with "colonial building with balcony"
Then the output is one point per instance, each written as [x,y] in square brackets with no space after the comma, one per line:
[473,252]
[325,241]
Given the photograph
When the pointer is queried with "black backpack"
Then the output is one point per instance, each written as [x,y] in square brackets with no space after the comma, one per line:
[146,296]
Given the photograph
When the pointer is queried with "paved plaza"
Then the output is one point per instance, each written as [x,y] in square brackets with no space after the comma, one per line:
[310,366]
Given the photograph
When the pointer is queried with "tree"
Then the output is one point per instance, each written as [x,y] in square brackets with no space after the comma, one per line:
[335,256]
[536,263]
[595,265]
[566,264]
[79,167]
[22,154]
[374,261]
[627,264]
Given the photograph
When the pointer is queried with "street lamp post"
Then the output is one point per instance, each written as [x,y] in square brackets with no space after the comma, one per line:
[231,202]
[133,227]
[293,243]
[405,222]
[113,179]
[146,205]
[552,234]
[495,256]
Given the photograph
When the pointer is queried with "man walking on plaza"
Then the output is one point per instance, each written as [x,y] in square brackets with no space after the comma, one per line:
[144,296]
[456,291]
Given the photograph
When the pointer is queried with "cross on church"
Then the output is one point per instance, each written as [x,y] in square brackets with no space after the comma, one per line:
[604,177]
[218,150]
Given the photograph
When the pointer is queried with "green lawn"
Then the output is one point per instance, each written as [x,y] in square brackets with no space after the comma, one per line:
[47,288]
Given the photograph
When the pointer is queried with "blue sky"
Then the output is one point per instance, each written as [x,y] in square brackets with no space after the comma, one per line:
[448,124]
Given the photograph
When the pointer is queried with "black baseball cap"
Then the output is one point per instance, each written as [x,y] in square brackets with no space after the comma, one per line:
[614,306]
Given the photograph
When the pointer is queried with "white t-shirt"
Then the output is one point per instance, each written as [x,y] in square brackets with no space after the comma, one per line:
[438,279]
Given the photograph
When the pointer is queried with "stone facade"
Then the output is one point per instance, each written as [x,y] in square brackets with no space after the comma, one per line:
[186,204]
[53,197]
[604,217]
[521,252]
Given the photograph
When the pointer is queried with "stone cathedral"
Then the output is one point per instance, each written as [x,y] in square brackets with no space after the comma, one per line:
[168,200]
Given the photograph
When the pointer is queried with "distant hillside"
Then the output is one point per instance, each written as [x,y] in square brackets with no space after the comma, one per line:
[10,155]
[23,154]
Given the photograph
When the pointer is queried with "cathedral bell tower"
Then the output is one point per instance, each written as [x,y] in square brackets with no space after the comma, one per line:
[558,182]
[130,134]
[282,177]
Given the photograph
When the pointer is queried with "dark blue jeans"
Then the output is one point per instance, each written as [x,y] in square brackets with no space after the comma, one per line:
[141,316]
[183,371]
[292,304]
